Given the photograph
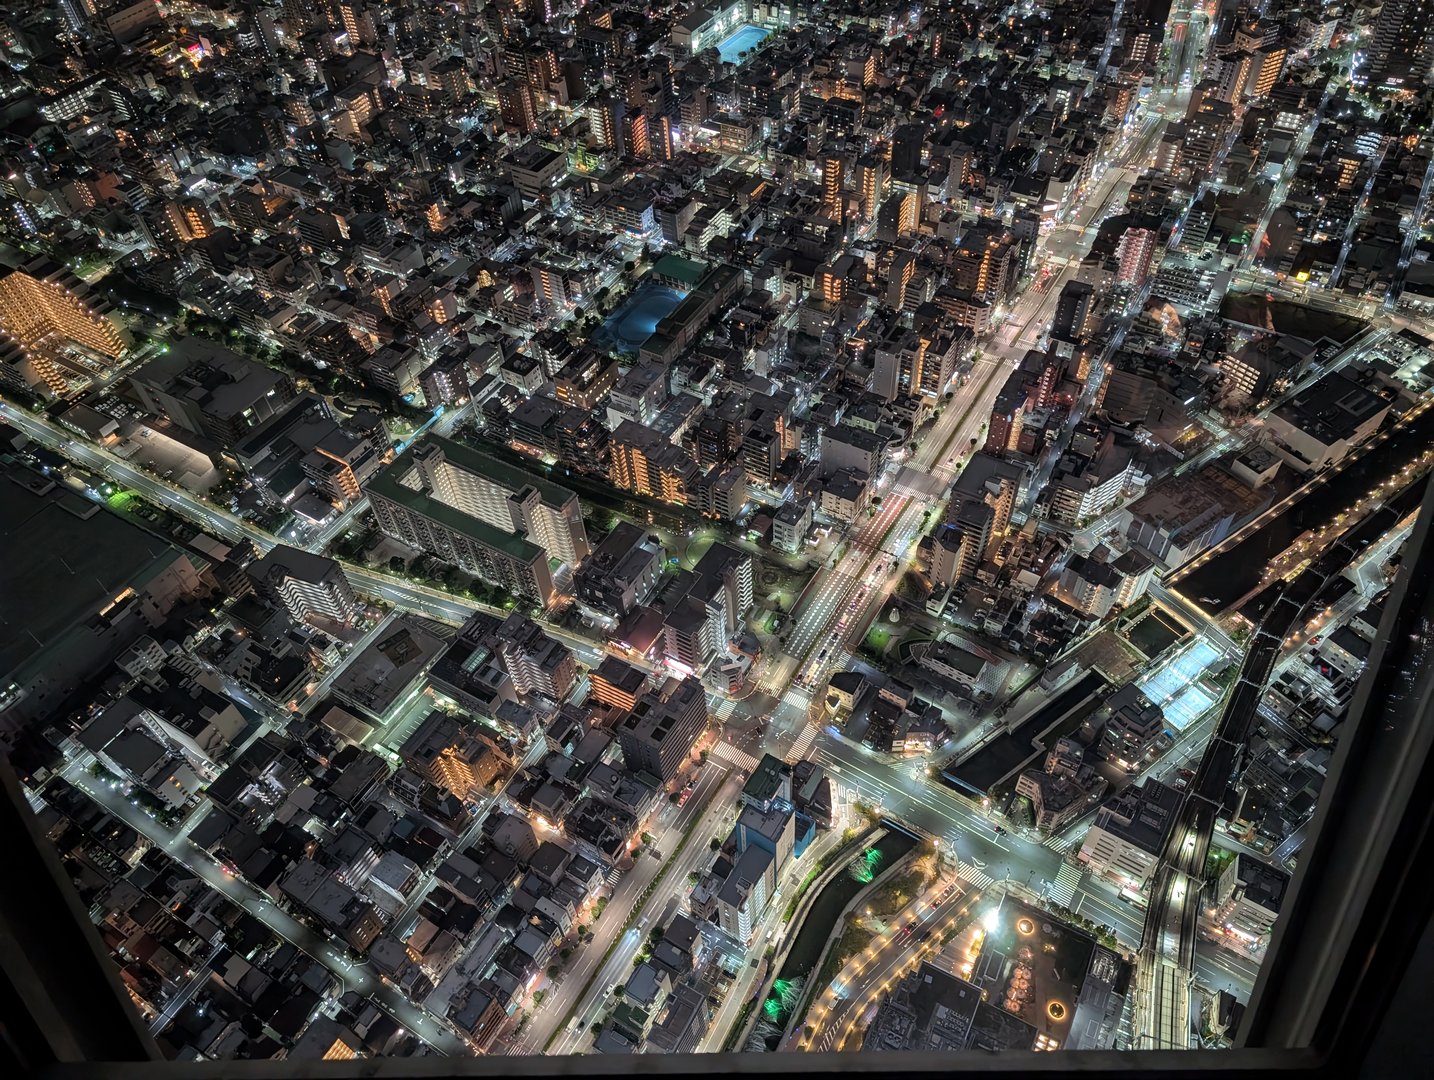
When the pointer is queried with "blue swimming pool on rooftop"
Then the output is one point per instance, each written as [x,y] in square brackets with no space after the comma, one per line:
[743,39]
[637,317]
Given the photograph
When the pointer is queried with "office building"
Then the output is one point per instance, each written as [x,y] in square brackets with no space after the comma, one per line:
[1075,308]
[622,571]
[773,829]
[1061,792]
[1125,839]
[1325,421]
[932,1010]
[210,391]
[1248,896]
[658,734]
[906,149]
[303,448]
[790,526]
[1133,726]
[1183,515]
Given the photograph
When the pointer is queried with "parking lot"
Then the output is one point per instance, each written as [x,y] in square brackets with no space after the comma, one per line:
[170,459]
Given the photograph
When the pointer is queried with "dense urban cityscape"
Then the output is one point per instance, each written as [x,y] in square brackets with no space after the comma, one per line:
[557,527]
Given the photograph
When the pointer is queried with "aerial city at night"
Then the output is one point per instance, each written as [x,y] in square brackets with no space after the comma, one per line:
[544,527]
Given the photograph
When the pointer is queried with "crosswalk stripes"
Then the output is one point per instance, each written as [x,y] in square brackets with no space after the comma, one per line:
[1063,842]
[1068,879]
[977,878]
[797,699]
[724,709]
[740,758]
[803,745]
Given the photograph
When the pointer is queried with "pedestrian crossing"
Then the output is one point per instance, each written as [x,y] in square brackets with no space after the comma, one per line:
[1068,879]
[725,709]
[977,879]
[730,754]
[1063,842]
[797,699]
[803,745]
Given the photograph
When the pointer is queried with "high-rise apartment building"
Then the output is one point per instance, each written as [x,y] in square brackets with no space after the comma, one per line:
[833,177]
[1134,253]
[634,135]
[978,516]
[308,586]
[45,330]
[910,364]
[409,511]
[1402,52]
[605,122]
[871,179]
[458,761]
[985,264]
[616,683]
[503,496]
[644,462]
[537,663]
[517,106]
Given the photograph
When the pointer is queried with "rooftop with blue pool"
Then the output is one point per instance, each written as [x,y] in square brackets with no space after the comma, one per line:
[744,40]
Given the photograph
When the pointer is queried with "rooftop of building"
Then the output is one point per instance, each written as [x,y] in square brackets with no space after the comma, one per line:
[66,561]
[1141,815]
[509,476]
[385,484]
[766,780]
[1333,408]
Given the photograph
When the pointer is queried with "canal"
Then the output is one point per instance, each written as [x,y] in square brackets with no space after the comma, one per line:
[1235,572]
[977,774]
[821,922]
